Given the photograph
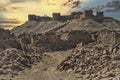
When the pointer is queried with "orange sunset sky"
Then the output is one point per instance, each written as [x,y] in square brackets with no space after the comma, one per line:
[15,12]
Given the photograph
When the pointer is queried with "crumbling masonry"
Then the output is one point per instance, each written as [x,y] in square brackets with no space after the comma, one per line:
[87,14]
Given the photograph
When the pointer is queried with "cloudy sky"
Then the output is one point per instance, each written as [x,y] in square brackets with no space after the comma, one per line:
[15,12]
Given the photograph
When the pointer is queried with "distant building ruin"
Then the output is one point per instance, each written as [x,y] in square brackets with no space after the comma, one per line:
[87,14]
[76,36]
[38,18]
[56,16]
[100,14]
[76,15]
[108,37]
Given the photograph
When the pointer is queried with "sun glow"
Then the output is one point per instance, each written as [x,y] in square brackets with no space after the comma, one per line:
[49,6]
[44,7]
[41,8]
[20,18]
[19,11]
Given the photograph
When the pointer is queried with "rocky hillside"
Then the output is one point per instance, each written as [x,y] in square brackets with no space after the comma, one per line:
[13,58]
[72,50]
[94,60]
[71,55]
[76,24]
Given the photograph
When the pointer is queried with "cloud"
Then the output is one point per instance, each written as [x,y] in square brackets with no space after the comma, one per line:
[16,1]
[10,8]
[5,5]
[74,3]
[19,9]
[7,21]
[22,0]
[107,6]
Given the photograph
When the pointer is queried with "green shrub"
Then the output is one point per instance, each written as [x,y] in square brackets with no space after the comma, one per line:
[24,55]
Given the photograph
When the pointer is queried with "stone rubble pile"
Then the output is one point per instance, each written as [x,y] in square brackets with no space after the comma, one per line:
[94,62]
[52,41]
[96,55]
[7,40]
[108,37]
[12,60]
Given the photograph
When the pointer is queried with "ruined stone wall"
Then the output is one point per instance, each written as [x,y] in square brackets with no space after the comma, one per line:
[38,18]
[51,37]
[56,16]
[100,14]
[59,17]
[8,40]
[108,37]
[88,13]
[79,36]
[76,15]
[32,17]
[69,39]
[44,18]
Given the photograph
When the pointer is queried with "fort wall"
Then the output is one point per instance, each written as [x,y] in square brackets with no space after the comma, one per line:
[75,15]
[38,18]
[87,14]
[56,16]
[100,14]
[108,37]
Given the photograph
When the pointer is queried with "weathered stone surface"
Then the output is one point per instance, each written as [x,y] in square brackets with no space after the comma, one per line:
[94,56]
[78,36]
[92,60]
[108,37]
[12,60]
[8,40]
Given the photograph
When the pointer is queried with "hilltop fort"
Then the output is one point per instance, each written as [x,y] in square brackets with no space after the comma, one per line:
[87,14]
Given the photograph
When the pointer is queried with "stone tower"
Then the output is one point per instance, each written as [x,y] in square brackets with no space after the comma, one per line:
[100,14]
[31,17]
[56,16]
[88,13]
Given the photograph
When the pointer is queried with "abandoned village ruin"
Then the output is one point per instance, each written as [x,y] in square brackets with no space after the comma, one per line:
[87,14]
[80,43]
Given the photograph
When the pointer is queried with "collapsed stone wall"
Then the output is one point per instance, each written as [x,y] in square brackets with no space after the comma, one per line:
[78,36]
[108,37]
[8,40]
[93,62]
[39,18]
[96,60]
[88,58]
[48,41]
[13,60]
[54,41]
[67,40]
